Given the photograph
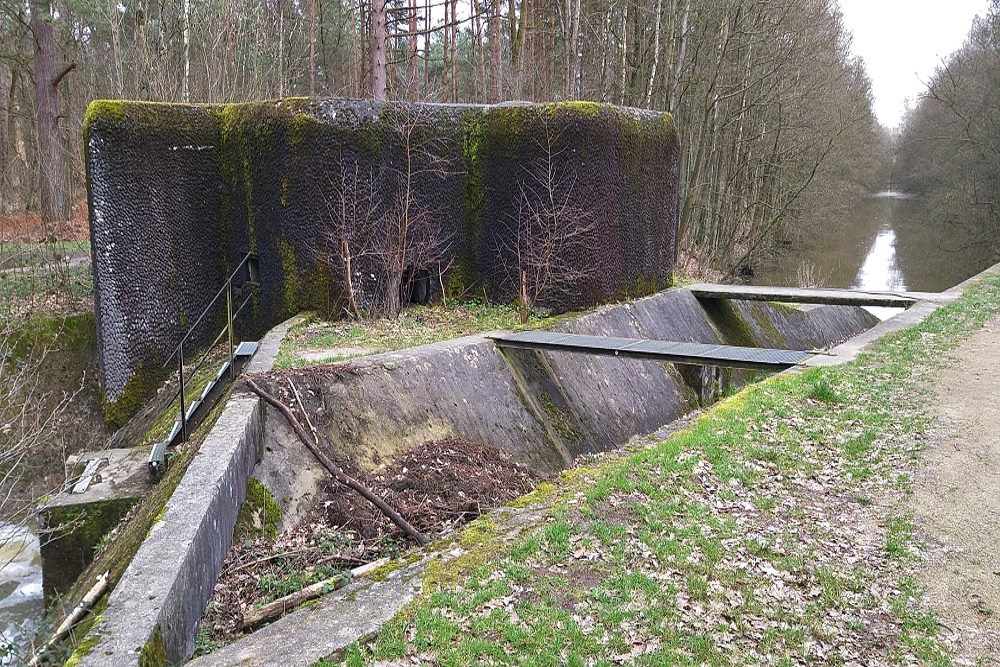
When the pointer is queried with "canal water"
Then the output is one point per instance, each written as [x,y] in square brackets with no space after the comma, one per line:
[20,590]
[889,241]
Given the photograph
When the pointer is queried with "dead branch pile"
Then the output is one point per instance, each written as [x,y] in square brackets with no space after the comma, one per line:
[436,486]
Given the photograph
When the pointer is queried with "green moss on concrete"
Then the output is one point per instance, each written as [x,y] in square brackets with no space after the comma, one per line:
[99,112]
[478,532]
[461,278]
[290,277]
[259,514]
[86,525]
[561,422]
[154,651]
[383,572]
[759,313]
[637,288]
[481,541]
[730,323]
[117,553]
[143,383]
[576,107]
[541,493]
[87,641]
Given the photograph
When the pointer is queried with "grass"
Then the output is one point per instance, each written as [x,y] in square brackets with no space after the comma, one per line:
[317,342]
[772,530]
[56,291]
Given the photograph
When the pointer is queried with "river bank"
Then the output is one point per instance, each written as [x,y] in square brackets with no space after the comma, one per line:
[779,527]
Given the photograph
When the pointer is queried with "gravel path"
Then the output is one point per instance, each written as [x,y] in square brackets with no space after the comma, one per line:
[957,500]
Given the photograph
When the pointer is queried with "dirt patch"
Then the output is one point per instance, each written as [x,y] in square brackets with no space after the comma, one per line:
[27,226]
[437,486]
[957,500]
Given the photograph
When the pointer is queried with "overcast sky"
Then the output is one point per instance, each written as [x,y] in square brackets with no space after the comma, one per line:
[902,41]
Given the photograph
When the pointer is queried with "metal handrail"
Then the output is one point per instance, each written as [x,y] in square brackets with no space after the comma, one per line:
[227,330]
[225,289]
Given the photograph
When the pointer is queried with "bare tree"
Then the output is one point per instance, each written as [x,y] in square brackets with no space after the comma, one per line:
[382,227]
[379,31]
[416,240]
[347,241]
[29,411]
[551,236]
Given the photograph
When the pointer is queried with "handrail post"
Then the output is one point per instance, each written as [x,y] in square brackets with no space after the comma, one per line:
[180,375]
[229,327]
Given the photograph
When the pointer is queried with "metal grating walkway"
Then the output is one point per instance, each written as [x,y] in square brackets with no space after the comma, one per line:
[730,356]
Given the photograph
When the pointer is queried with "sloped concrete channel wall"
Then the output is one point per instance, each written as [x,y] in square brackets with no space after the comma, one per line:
[544,409]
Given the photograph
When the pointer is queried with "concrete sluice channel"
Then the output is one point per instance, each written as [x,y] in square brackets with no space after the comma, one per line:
[543,409]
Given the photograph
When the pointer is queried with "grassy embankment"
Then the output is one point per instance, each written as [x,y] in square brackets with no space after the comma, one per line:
[774,530]
[317,341]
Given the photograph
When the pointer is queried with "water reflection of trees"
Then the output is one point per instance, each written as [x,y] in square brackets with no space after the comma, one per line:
[949,150]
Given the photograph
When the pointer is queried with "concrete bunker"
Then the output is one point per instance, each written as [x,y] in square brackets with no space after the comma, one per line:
[245,177]
[178,194]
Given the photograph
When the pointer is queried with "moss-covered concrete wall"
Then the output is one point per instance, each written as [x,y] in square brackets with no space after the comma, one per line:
[178,194]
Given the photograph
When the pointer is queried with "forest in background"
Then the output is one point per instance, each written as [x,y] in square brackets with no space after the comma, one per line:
[775,116]
[949,150]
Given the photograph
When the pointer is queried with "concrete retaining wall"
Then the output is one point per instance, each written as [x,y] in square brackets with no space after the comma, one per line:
[546,409]
[156,606]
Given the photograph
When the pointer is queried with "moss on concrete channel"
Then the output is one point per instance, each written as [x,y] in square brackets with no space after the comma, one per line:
[259,514]
[116,553]
[673,502]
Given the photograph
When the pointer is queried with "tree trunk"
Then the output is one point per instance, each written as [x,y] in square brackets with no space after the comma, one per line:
[454,50]
[186,29]
[312,48]
[51,158]
[378,50]
[5,168]
[413,75]
[496,51]
[446,49]
[675,85]
[481,49]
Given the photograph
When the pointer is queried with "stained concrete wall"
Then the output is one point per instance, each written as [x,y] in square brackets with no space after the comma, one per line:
[547,408]
[179,193]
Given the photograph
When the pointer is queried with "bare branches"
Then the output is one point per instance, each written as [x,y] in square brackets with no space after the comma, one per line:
[949,150]
[382,229]
[335,470]
[549,237]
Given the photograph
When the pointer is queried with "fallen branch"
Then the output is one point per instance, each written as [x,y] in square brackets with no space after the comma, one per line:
[277,608]
[287,554]
[79,611]
[334,470]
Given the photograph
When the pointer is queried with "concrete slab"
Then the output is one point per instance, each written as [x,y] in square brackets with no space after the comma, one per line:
[100,488]
[840,297]
[336,622]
